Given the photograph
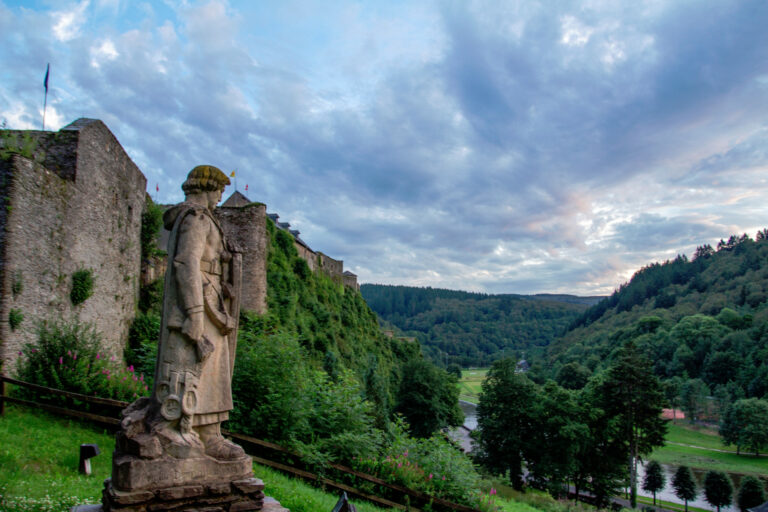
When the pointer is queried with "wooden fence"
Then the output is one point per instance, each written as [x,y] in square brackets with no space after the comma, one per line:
[262,452]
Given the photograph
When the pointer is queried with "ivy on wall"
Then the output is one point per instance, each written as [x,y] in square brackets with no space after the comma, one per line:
[82,286]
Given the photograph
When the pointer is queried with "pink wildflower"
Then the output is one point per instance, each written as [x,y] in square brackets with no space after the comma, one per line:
[142,378]
[112,358]
[493,491]
[130,368]
[20,353]
[74,356]
[430,476]
[61,360]
[146,388]
[98,356]
[443,478]
[399,464]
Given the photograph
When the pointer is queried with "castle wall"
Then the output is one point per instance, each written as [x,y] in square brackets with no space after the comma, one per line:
[247,228]
[76,204]
[334,268]
[307,255]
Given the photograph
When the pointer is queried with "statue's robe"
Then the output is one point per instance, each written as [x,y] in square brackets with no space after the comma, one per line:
[193,381]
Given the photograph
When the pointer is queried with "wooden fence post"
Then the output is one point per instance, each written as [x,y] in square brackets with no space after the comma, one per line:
[2,395]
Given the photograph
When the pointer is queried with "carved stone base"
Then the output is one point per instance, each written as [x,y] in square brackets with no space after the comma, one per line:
[206,496]
[130,473]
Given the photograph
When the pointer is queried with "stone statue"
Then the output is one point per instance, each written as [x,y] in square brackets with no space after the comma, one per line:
[169,449]
[198,333]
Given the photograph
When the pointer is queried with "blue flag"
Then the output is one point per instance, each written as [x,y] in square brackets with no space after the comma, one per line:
[47,72]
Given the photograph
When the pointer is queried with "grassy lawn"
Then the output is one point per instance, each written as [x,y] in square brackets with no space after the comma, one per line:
[685,433]
[470,383]
[39,454]
[705,457]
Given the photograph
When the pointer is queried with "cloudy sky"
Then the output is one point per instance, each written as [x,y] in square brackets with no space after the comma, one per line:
[493,146]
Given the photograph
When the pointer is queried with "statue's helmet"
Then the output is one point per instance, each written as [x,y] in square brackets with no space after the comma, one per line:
[204,178]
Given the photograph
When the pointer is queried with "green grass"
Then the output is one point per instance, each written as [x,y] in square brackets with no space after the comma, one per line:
[685,433]
[298,496]
[470,384]
[707,459]
[39,454]
[704,456]
[670,505]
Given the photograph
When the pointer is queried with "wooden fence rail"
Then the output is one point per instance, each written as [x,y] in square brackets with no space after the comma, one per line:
[260,444]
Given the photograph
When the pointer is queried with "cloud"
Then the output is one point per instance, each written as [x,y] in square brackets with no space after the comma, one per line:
[67,23]
[521,147]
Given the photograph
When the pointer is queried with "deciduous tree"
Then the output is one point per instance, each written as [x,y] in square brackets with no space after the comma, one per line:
[428,398]
[506,415]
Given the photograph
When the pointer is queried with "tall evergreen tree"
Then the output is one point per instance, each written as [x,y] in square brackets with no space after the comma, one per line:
[632,395]
[506,415]
[751,493]
[654,480]
[684,485]
[718,489]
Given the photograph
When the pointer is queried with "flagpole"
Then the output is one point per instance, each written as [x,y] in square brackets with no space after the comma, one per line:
[45,84]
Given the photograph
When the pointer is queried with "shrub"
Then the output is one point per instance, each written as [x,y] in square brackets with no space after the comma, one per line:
[82,286]
[151,222]
[15,317]
[68,356]
[141,349]
[151,296]
[431,465]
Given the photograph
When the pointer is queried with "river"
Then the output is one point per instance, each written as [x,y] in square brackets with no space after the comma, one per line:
[461,435]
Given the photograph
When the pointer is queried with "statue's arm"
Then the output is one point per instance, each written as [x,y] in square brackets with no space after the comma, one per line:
[190,246]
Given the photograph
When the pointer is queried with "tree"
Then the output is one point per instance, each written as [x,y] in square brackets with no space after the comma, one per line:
[684,485]
[505,419]
[693,397]
[573,376]
[454,369]
[743,424]
[751,493]
[558,433]
[718,489]
[428,398]
[672,388]
[654,480]
[633,396]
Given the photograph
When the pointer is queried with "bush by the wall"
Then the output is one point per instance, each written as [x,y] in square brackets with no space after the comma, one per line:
[69,356]
[82,286]
[15,317]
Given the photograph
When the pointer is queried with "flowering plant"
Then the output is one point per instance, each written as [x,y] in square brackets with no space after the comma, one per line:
[69,356]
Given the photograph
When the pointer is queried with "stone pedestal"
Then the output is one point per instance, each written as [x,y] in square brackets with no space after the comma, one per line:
[206,496]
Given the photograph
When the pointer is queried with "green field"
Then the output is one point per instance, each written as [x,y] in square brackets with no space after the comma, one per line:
[702,452]
[470,383]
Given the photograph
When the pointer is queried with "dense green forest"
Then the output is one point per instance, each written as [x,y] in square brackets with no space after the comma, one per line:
[702,321]
[474,329]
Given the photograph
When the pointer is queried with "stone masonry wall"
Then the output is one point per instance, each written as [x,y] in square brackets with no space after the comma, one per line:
[334,268]
[246,226]
[78,206]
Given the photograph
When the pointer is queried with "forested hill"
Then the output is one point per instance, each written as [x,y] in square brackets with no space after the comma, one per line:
[701,318]
[473,329]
